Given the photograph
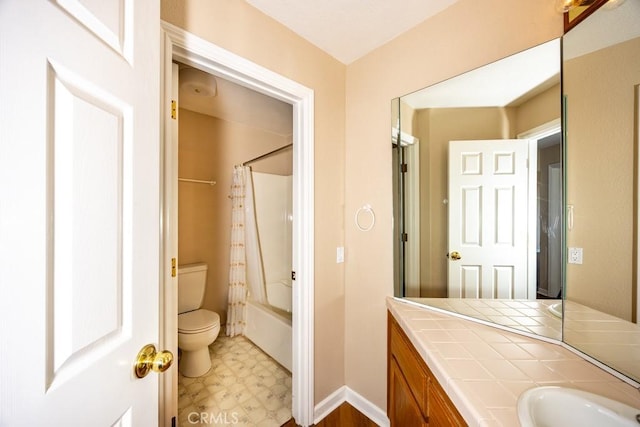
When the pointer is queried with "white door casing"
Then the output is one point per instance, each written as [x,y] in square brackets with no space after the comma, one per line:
[488,219]
[412,219]
[179,45]
[79,211]
[169,289]
[535,136]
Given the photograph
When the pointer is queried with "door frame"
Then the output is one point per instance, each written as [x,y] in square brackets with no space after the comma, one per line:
[408,261]
[534,135]
[555,206]
[187,48]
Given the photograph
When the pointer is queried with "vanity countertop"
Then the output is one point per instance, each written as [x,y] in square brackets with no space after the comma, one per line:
[531,316]
[484,369]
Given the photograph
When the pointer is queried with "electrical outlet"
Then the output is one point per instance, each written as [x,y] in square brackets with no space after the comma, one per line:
[339,254]
[575,255]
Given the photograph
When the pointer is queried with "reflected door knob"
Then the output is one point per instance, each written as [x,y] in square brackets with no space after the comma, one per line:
[454,256]
[151,360]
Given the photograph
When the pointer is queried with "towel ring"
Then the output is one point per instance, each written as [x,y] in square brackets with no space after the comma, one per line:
[369,210]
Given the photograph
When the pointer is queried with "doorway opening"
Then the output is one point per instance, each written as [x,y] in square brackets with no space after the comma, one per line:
[226,129]
[549,218]
[547,185]
[199,54]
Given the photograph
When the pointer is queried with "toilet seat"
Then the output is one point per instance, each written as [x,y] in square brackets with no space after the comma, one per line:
[197,321]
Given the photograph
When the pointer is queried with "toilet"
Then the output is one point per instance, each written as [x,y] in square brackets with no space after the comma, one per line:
[197,327]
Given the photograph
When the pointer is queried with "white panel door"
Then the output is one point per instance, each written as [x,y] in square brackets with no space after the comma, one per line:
[79,213]
[488,205]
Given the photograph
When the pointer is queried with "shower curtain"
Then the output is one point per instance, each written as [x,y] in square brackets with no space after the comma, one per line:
[245,269]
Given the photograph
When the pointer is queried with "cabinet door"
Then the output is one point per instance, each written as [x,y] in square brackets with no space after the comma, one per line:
[442,413]
[403,409]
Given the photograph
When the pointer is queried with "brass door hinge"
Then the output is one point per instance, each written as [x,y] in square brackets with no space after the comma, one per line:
[173,109]
[173,267]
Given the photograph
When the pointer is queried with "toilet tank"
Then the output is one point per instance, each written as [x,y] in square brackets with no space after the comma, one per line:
[192,279]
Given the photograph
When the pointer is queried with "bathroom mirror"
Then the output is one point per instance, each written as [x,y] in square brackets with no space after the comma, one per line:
[601,85]
[477,176]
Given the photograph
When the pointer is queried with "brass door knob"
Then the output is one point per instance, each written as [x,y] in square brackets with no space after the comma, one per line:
[150,360]
[454,256]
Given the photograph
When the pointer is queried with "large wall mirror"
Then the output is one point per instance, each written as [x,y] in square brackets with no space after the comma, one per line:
[601,84]
[478,193]
[574,207]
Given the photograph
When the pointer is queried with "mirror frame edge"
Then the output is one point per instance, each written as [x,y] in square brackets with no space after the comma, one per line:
[568,25]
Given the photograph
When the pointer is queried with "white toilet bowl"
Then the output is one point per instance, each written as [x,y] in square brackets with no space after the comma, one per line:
[196,330]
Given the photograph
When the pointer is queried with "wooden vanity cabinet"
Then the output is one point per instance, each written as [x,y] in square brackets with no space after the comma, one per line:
[414,396]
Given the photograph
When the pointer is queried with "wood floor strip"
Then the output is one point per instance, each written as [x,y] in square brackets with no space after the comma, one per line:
[344,415]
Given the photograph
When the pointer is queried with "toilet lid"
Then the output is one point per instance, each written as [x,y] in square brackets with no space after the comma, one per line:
[197,321]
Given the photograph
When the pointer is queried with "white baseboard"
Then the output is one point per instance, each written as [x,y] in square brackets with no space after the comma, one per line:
[345,394]
[328,404]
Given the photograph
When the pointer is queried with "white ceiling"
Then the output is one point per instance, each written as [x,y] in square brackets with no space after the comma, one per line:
[235,103]
[349,29]
[345,29]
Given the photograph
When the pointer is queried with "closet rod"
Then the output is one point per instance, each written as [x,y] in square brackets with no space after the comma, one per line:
[270,153]
[197,181]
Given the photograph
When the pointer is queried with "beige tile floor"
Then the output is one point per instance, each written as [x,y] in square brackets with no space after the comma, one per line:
[244,387]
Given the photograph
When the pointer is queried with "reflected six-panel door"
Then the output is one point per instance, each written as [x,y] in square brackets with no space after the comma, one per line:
[488,216]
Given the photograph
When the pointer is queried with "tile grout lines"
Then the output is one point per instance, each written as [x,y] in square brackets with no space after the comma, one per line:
[244,387]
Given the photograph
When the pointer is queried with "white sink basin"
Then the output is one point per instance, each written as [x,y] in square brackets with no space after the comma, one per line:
[560,406]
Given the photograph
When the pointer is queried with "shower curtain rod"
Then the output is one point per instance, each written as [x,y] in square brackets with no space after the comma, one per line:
[197,181]
[270,153]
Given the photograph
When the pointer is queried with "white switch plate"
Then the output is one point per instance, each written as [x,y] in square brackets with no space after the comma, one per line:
[575,255]
[339,254]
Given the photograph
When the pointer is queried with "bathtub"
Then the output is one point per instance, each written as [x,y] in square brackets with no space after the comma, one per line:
[270,329]
[279,294]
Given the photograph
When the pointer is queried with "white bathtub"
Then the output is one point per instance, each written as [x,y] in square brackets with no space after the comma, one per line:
[270,329]
[279,294]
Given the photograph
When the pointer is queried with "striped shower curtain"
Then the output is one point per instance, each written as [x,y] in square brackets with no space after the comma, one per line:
[237,259]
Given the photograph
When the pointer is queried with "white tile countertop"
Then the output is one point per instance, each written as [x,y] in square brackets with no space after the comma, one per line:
[484,369]
[532,316]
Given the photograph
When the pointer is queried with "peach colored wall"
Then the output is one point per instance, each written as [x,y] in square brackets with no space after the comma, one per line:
[468,34]
[208,149]
[539,110]
[243,30]
[600,174]
[353,164]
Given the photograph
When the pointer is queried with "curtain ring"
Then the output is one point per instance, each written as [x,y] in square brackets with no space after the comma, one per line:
[366,208]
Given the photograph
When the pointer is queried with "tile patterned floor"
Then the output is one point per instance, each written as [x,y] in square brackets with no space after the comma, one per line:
[244,387]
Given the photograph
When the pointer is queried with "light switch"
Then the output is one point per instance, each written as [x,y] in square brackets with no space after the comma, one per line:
[339,254]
